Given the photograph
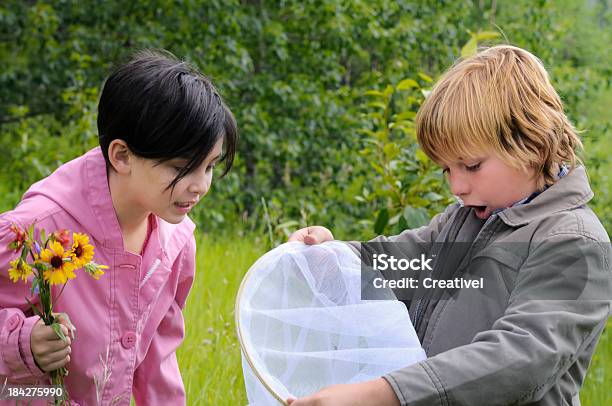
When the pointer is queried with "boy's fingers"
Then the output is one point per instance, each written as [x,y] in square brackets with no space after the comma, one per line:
[317,235]
[311,239]
[297,236]
[312,235]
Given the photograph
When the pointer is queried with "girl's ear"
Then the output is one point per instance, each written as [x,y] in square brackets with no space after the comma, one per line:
[120,156]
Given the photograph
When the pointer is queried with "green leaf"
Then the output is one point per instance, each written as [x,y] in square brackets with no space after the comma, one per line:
[58,330]
[381,221]
[287,224]
[381,135]
[377,104]
[401,225]
[388,91]
[432,196]
[377,167]
[374,93]
[70,326]
[393,220]
[407,84]
[391,150]
[421,156]
[470,48]
[425,77]
[405,115]
[415,217]
[35,309]
[34,285]
[485,35]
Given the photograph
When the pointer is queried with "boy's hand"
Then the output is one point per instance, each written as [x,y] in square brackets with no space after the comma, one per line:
[312,235]
[50,352]
[372,393]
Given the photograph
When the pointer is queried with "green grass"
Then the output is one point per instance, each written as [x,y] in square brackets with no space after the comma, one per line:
[596,390]
[210,356]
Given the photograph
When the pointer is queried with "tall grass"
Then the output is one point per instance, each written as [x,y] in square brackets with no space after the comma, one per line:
[210,356]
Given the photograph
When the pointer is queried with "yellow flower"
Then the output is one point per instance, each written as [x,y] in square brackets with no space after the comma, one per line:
[19,270]
[82,251]
[61,269]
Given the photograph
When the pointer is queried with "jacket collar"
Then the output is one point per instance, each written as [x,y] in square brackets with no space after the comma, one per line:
[569,192]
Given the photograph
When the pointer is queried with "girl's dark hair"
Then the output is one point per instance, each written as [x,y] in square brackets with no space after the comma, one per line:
[164,109]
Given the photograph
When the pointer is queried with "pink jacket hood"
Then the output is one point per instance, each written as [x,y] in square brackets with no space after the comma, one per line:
[133,313]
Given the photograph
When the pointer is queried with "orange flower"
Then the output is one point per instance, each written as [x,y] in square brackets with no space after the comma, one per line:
[20,238]
[63,236]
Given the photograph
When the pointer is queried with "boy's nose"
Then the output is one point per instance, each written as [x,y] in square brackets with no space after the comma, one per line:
[459,186]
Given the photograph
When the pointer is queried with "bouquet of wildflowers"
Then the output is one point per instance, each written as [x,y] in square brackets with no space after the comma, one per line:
[51,260]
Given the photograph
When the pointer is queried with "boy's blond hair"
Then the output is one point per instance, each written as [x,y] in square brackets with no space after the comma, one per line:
[500,98]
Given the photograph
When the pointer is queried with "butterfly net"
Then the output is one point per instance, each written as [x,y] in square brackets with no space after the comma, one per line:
[303,326]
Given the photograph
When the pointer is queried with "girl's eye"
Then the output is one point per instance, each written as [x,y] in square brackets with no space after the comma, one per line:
[210,167]
[178,168]
[473,168]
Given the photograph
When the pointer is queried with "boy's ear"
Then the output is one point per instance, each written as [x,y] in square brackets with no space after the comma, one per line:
[120,156]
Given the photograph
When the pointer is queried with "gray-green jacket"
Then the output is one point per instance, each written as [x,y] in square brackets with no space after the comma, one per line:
[504,344]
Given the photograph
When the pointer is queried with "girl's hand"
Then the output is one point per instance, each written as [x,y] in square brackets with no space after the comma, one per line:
[50,352]
[372,393]
[312,235]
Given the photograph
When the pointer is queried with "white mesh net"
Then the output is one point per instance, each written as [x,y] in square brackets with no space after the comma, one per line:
[303,326]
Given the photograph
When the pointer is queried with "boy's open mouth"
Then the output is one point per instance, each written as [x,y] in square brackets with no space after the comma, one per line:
[482,212]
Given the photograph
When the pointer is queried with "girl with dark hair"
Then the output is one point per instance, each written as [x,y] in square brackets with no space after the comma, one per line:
[162,128]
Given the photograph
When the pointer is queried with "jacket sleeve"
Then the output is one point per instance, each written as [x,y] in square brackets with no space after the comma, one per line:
[557,311]
[157,380]
[16,359]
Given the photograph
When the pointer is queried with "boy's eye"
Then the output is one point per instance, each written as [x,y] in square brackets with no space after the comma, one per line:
[473,168]
[445,171]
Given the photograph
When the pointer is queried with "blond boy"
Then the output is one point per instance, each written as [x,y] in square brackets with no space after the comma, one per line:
[496,126]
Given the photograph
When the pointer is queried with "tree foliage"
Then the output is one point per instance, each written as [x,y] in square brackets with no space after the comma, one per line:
[323,139]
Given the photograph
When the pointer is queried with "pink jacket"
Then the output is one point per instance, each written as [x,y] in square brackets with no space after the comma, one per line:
[134,311]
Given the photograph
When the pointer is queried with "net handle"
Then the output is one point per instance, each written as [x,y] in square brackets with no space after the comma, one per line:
[243,346]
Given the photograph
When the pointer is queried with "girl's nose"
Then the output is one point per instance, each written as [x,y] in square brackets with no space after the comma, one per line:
[201,183]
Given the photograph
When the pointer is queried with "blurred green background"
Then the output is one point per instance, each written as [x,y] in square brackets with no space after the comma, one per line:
[325,94]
